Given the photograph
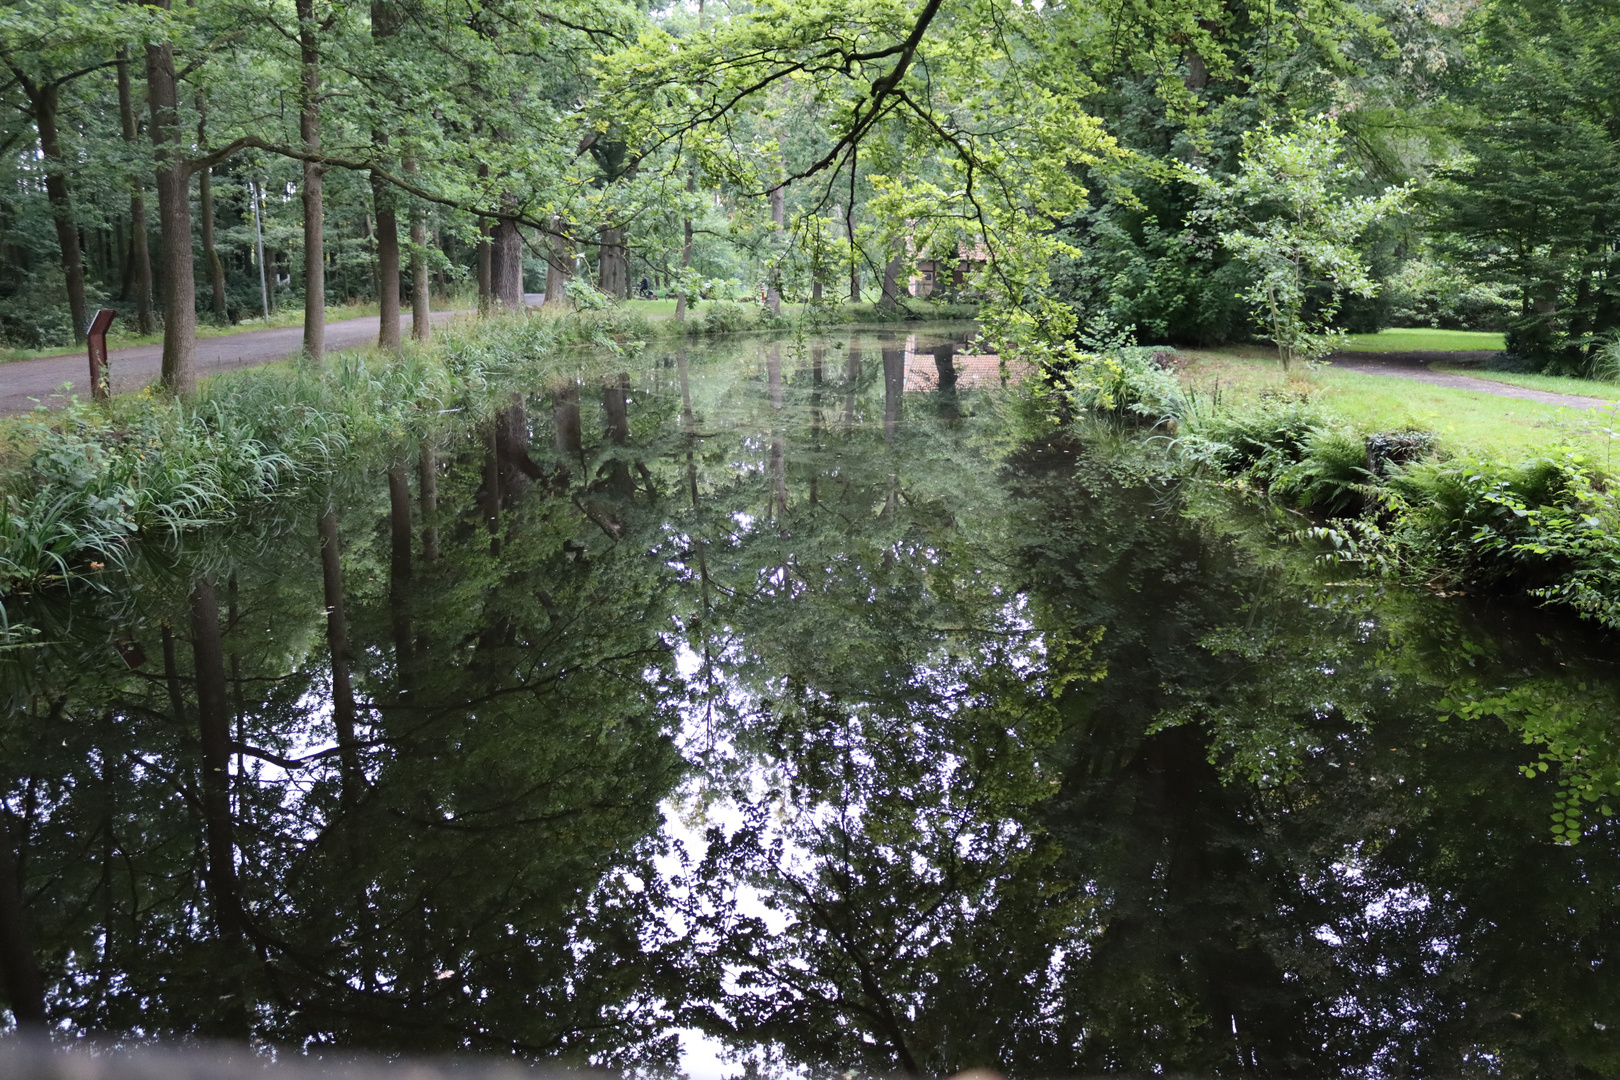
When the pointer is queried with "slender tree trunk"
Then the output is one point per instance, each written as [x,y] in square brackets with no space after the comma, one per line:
[384,200]
[179,374]
[337,643]
[44,100]
[486,268]
[854,262]
[216,269]
[560,264]
[309,130]
[773,287]
[686,249]
[19,967]
[205,206]
[421,292]
[427,484]
[891,280]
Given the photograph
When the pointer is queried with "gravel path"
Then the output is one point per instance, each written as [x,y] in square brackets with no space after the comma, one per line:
[27,383]
[1415,366]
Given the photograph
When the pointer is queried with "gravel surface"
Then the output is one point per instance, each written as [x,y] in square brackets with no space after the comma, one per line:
[1415,366]
[25,384]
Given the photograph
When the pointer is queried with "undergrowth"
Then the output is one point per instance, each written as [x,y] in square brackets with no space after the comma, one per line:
[1400,503]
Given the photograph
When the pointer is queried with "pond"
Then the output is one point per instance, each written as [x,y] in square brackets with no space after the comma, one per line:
[786,707]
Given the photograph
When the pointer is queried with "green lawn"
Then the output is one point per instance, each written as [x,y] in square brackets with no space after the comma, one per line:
[1462,418]
[1424,340]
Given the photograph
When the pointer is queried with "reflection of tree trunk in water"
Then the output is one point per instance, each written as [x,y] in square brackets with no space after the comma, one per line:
[852,379]
[818,353]
[950,407]
[337,643]
[567,437]
[894,386]
[427,482]
[492,485]
[24,984]
[238,706]
[171,677]
[773,380]
[683,372]
[214,730]
[399,565]
[616,413]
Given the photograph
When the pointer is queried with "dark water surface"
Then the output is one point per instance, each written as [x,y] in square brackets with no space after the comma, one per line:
[774,701]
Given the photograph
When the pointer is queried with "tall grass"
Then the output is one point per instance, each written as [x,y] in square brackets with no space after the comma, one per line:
[79,487]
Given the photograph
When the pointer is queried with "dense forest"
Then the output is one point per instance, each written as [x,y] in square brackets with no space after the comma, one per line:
[1176,172]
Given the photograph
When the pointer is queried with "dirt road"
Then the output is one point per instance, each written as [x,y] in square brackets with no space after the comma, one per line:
[50,380]
[1415,366]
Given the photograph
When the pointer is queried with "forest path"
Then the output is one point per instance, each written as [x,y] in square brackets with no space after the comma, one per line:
[51,380]
[1415,366]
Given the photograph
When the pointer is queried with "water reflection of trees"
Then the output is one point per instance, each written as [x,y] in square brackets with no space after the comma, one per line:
[997,759]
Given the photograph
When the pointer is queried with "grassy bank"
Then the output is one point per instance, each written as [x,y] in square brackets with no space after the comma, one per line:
[1467,421]
[82,485]
[1435,487]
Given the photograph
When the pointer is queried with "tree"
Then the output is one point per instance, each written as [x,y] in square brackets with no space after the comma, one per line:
[1289,216]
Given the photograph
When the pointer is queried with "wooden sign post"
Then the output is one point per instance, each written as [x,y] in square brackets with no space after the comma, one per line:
[100,378]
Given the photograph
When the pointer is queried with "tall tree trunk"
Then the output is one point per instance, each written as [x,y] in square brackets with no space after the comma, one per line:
[421,292]
[309,130]
[216,269]
[854,262]
[384,200]
[337,643]
[19,967]
[427,484]
[686,250]
[44,101]
[205,205]
[891,280]
[506,264]
[179,373]
[773,286]
[560,263]
[614,267]
[486,268]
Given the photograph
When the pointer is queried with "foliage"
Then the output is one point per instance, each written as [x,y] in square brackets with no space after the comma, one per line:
[1289,216]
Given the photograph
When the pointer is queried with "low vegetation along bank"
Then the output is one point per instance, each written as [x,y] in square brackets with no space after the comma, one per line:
[1540,520]
[80,484]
